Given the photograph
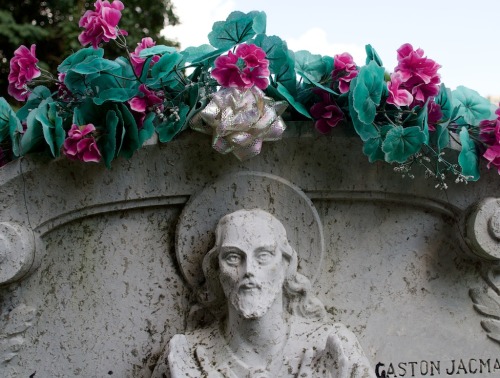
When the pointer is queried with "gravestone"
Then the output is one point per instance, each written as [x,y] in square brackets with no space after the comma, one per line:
[101,268]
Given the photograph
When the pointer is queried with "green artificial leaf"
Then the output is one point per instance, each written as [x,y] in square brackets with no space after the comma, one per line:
[115,95]
[281,89]
[440,137]
[192,54]
[400,143]
[418,117]
[94,64]
[79,57]
[368,91]
[78,83]
[10,126]
[32,138]
[276,51]
[365,130]
[108,139]
[172,125]
[468,159]
[238,27]
[164,71]
[126,76]
[156,50]
[131,141]
[444,100]
[286,75]
[373,146]
[52,126]
[147,129]
[371,55]
[473,107]
[39,94]
[329,64]
[310,66]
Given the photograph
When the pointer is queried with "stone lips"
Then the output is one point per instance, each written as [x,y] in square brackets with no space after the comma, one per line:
[248,190]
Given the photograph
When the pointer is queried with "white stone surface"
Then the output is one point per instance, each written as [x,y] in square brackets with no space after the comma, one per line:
[107,295]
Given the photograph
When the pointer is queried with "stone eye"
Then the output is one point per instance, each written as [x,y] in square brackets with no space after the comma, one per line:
[264,256]
[232,258]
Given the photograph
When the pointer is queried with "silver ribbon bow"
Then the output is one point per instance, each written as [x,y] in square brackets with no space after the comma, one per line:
[239,120]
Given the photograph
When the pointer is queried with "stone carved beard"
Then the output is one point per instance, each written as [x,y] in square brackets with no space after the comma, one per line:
[255,302]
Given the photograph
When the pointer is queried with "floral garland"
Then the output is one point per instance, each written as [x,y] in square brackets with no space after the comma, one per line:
[241,88]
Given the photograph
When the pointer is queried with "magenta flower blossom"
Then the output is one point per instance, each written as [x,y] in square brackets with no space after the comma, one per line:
[492,154]
[344,70]
[244,68]
[137,61]
[101,25]
[489,130]
[23,69]
[326,113]
[81,144]
[418,74]
[398,96]
[434,114]
[140,105]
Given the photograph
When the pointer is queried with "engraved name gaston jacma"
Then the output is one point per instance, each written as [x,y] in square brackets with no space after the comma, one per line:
[424,368]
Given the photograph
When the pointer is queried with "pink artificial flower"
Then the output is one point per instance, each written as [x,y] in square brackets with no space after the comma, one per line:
[492,154]
[244,68]
[137,61]
[142,104]
[101,25]
[326,113]
[344,70]
[419,74]
[434,114]
[23,69]
[398,96]
[81,145]
[489,130]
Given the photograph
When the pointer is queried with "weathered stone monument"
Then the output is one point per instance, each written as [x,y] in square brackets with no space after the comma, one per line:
[146,268]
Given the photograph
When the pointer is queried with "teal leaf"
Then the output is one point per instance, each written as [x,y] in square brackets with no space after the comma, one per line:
[115,95]
[94,64]
[172,125]
[365,130]
[401,143]
[39,94]
[310,66]
[32,138]
[276,51]
[131,133]
[444,100]
[192,54]
[164,70]
[238,27]
[156,50]
[373,146]
[78,83]
[418,117]
[468,159]
[368,91]
[52,126]
[371,55]
[286,75]
[108,139]
[473,107]
[440,137]
[147,129]
[79,57]
[291,100]
[10,125]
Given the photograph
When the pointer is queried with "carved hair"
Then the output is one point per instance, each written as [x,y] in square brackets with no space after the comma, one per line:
[297,288]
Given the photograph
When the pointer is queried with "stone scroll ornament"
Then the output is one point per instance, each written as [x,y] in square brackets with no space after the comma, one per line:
[247,253]
[483,236]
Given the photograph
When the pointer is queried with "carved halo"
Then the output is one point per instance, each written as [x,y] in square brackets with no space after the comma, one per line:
[248,190]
